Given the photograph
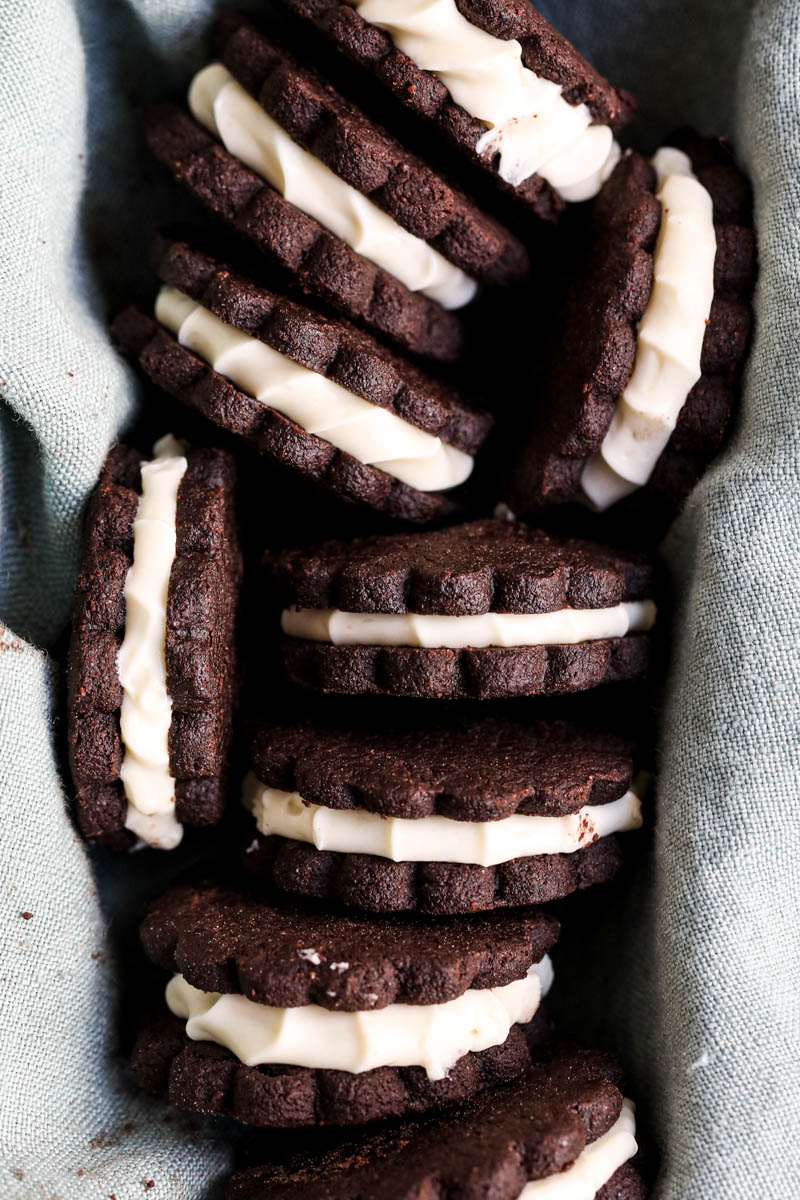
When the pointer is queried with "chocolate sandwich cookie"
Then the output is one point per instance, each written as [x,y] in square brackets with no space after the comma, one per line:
[488,814]
[485,610]
[296,1017]
[564,1131]
[398,235]
[151,660]
[313,394]
[655,333]
[497,80]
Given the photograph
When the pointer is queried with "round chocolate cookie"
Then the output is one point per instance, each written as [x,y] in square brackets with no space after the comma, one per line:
[125,719]
[340,206]
[460,818]
[566,1113]
[474,38]
[485,610]
[608,367]
[296,1016]
[367,425]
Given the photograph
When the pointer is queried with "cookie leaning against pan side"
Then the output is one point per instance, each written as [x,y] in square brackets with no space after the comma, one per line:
[629,322]
[494,77]
[301,1017]
[565,1123]
[445,819]
[485,610]
[334,405]
[184,585]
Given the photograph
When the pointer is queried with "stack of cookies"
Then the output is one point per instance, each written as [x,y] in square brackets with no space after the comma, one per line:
[369,944]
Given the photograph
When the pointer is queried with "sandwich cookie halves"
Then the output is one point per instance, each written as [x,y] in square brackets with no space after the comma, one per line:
[488,814]
[485,610]
[356,219]
[655,332]
[313,394]
[562,1132]
[152,657]
[497,80]
[285,1017]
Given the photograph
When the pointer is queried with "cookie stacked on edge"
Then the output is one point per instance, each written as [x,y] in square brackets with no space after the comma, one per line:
[381,954]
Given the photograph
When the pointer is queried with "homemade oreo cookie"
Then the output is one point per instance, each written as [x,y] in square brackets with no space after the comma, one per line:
[448,819]
[485,610]
[151,676]
[297,1017]
[329,196]
[647,370]
[497,80]
[563,1131]
[316,395]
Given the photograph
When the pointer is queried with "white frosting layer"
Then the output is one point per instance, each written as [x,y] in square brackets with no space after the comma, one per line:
[433,1036]
[593,1167]
[370,433]
[220,103]
[669,341]
[530,124]
[565,626]
[146,712]
[435,838]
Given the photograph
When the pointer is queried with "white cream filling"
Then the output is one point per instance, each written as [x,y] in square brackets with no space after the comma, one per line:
[146,713]
[370,433]
[435,838]
[433,1036]
[530,124]
[220,103]
[593,1167]
[669,340]
[566,626]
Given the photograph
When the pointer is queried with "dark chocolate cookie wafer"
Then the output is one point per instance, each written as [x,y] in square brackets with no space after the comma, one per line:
[113,663]
[566,1115]
[452,42]
[396,409]
[594,361]
[452,819]
[322,265]
[485,610]
[375,1016]
[201,1076]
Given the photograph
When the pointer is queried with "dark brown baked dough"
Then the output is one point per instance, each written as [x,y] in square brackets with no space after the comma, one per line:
[595,356]
[362,153]
[308,255]
[204,1077]
[544,51]
[483,566]
[227,941]
[376,884]
[475,771]
[493,1146]
[491,674]
[200,652]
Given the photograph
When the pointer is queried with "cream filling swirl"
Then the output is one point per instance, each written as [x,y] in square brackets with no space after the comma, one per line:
[566,626]
[370,433]
[433,1036]
[435,838]
[593,1167]
[530,125]
[669,340]
[221,104]
[146,712]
